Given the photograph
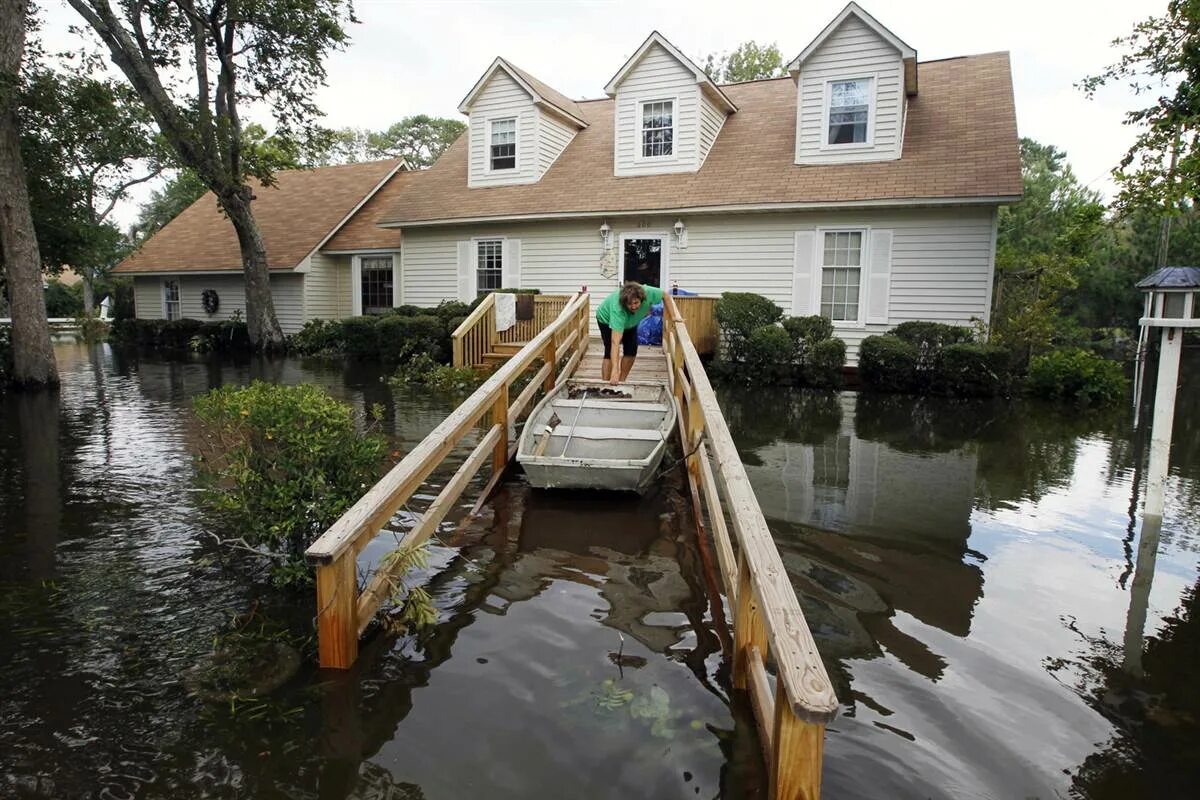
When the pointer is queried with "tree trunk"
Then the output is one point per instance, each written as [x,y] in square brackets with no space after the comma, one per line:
[261,322]
[89,293]
[33,358]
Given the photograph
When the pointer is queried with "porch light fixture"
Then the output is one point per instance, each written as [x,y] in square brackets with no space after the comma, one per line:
[680,233]
[606,235]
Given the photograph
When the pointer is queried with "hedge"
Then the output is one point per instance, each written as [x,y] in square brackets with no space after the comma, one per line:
[182,334]
[758,345]
[1077,375]
[973,370]
[391,337]
[888,364]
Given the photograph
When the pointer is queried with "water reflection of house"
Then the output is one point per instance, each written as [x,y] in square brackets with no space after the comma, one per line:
[865,531]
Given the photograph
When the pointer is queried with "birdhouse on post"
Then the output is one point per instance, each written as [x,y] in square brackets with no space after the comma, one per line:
[1172,304]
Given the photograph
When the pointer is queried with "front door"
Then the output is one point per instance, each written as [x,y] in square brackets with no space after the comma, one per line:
[643,259]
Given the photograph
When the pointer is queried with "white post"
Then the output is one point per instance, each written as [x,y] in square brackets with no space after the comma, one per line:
[1139,594]
[1164,419]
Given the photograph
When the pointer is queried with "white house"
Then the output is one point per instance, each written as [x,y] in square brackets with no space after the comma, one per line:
[864,186]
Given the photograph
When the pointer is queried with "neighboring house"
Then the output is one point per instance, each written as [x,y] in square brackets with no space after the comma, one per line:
[864,186]
[327,258]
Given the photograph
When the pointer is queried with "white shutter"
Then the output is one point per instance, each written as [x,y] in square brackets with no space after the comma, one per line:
[879,277]
[802,274]
[511,268]
[356,286]
[466,272]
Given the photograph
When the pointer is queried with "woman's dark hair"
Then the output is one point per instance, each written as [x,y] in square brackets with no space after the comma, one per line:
[631,291]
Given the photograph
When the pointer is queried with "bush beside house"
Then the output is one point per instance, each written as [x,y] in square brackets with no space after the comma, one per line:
[758,345]
[182,334]
[934,358]
[391,338]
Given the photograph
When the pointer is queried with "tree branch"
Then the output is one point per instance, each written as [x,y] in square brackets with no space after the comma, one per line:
[119,192]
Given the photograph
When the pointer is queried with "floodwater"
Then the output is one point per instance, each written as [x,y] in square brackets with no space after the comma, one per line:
[995,620]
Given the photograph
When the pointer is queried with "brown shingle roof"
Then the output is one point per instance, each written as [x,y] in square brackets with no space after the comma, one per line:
[294,216]
[548,93]
[362,232]
[960,142]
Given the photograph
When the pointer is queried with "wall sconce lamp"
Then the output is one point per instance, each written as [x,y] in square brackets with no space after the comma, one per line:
[680,233]
[606,235]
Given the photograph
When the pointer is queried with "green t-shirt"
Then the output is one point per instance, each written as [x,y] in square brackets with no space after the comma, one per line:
[614,315]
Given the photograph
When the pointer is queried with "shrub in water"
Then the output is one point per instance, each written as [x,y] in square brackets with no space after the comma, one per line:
[808,330]
[360,336]
[972,370]
[929,338]
[739,314]
[888,364]
[768,354]
[822,364]
[1076,375]
[318,336]
[281,464]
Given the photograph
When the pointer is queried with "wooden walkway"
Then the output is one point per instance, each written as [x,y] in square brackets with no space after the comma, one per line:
[651,364]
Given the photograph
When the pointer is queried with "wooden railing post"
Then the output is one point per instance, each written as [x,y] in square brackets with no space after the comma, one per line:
[337,605]
[550,357]
[748,626]
[799,749]
[500,417]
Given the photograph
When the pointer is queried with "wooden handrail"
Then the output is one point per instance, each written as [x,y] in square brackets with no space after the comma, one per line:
[477,335]
[341,612]
[767,616]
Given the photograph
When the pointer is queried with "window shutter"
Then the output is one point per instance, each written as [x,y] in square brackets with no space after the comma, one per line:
[879,278]
[511,268]
[466,273]
[802,274]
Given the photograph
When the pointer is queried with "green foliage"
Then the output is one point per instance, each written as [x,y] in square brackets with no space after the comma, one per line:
[419,139]
[182,334]
[63,300]
[888,364]
[1043,244]
[808,330]
[929,338]
[165,204]
[401,336]
[972,370]
[822,364]
[419,369]
[281,464]
[748,62]
[768,353]
[1160,59]
[1077,375]
[318,337]
[360,337]
[739,314]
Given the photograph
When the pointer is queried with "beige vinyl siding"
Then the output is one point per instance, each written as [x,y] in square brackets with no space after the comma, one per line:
[501,99]
[941,261]
[327,289]
[658,76]
[711,120]
[286,290]
[553,138]
[852,51]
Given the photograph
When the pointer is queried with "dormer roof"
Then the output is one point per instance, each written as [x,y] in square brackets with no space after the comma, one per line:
[907,53]
[542,95]
[706,84]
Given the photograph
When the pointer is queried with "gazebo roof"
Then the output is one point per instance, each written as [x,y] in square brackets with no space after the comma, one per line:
[1172,278]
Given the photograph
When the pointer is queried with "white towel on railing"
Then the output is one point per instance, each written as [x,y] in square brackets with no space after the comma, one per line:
[506,311]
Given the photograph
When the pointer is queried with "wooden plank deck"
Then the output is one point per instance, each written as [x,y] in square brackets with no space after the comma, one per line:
[651,364]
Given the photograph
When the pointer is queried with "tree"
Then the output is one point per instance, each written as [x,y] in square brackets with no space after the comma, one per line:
[238,53]
[420,140]
[165,204]
[33,358]
[749,61]
[1162,167]
[1043,243]
[86,143]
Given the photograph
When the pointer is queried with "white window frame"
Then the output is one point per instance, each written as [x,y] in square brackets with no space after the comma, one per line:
[166,305]
[864,266]
[356,298]
[637,142]
[665,251]
[487,146]
[475,242]
[872,88]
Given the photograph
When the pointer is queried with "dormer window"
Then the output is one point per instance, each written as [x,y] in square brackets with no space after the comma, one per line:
[849,112]
[658,129]
[503,136]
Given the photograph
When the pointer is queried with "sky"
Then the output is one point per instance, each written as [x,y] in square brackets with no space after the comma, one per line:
[422,57]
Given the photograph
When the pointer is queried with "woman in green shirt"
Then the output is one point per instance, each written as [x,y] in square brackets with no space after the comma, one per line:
[618,317]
